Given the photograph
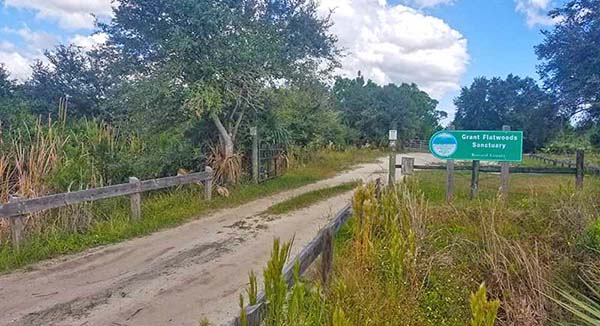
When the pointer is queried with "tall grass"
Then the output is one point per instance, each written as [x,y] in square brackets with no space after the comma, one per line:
[408,258]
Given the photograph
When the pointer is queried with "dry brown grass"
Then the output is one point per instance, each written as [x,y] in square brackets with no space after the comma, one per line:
[228,170]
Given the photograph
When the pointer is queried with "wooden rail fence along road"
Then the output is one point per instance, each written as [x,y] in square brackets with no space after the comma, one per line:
[322,245]
[18,208]
[563,163]
[408,166]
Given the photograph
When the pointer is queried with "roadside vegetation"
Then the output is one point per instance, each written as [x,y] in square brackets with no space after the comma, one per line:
[409,258]
[76,228]
[312,197]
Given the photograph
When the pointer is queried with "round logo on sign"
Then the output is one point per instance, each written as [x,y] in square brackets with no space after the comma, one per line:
[444,144]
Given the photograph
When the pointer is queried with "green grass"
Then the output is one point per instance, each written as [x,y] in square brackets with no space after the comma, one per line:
[166,209]
[310,198]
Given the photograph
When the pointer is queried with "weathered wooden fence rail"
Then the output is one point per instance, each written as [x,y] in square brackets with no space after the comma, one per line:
[497,169]
[563,163]
[322,244]
[504,169]
[18,208]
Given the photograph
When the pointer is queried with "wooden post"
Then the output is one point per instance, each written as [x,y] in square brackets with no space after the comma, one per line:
[580,170]
[136,200]
[327,257]
[392,168]
[450,176]
[254,133]
[475,179]
[504,173]
[408,164]
[208,184]
[254,315]
[17,225]
[378,188]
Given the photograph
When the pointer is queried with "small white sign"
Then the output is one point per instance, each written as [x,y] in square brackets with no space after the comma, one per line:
[393,134]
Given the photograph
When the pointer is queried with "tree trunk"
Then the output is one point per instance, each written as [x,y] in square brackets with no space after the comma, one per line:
[224,136]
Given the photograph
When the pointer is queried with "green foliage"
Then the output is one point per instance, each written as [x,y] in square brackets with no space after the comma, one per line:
[490,104]
[252,290]
[567,143]
[570,57]
[484,311]
[370,110]
[591,238]
[275,284]
[584,307]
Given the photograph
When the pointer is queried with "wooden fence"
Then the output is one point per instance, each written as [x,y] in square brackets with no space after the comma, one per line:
[578,170]
[18,208]
[563,163]
[322,245]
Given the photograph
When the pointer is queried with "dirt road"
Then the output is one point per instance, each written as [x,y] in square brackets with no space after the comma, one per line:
[173,277]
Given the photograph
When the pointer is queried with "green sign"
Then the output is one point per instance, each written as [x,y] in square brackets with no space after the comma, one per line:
[505,146]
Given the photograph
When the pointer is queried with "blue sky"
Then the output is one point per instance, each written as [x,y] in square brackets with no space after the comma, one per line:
[500,40]
[439,44]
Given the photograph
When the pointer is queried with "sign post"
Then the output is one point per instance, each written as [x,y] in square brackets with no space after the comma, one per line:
[393,137]
[477,145]
[503,146]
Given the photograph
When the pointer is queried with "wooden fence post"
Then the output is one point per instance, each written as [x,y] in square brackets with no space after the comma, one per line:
[327,257]
[392,168]
[17,224]
[504,173]
[475,179]
[208,184]
[580,170]
[254,133]
[450,176]
[254,315]
[136,200]
[408,164]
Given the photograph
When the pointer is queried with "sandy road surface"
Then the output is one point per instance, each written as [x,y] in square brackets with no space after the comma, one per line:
[173,277]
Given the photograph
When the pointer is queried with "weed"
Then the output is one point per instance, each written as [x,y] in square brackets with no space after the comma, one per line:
[484,311]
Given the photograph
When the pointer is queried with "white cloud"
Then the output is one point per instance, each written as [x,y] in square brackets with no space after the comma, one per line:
[89,42]
[428,3]
[395,43]
[35,41]
[536,12]
[18,65]
[70,14]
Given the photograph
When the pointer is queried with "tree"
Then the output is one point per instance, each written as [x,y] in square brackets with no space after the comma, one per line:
[71,74]
[371,110]
[488,104]
[7,85]
[224,52]
[570,55]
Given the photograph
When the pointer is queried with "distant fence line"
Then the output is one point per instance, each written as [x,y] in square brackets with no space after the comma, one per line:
[18,208]
[588,168]
[408,166]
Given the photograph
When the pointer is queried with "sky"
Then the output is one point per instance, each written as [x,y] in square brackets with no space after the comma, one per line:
[441,45]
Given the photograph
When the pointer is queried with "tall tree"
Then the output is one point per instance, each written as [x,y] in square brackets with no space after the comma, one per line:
[371,110]
[72,74]
[7,85]
[488,104]
[224,52]
[570,55]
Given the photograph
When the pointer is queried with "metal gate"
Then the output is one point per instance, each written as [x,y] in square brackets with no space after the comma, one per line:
[272,161]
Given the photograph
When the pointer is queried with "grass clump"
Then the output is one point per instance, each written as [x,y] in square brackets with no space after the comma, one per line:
[311,198]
